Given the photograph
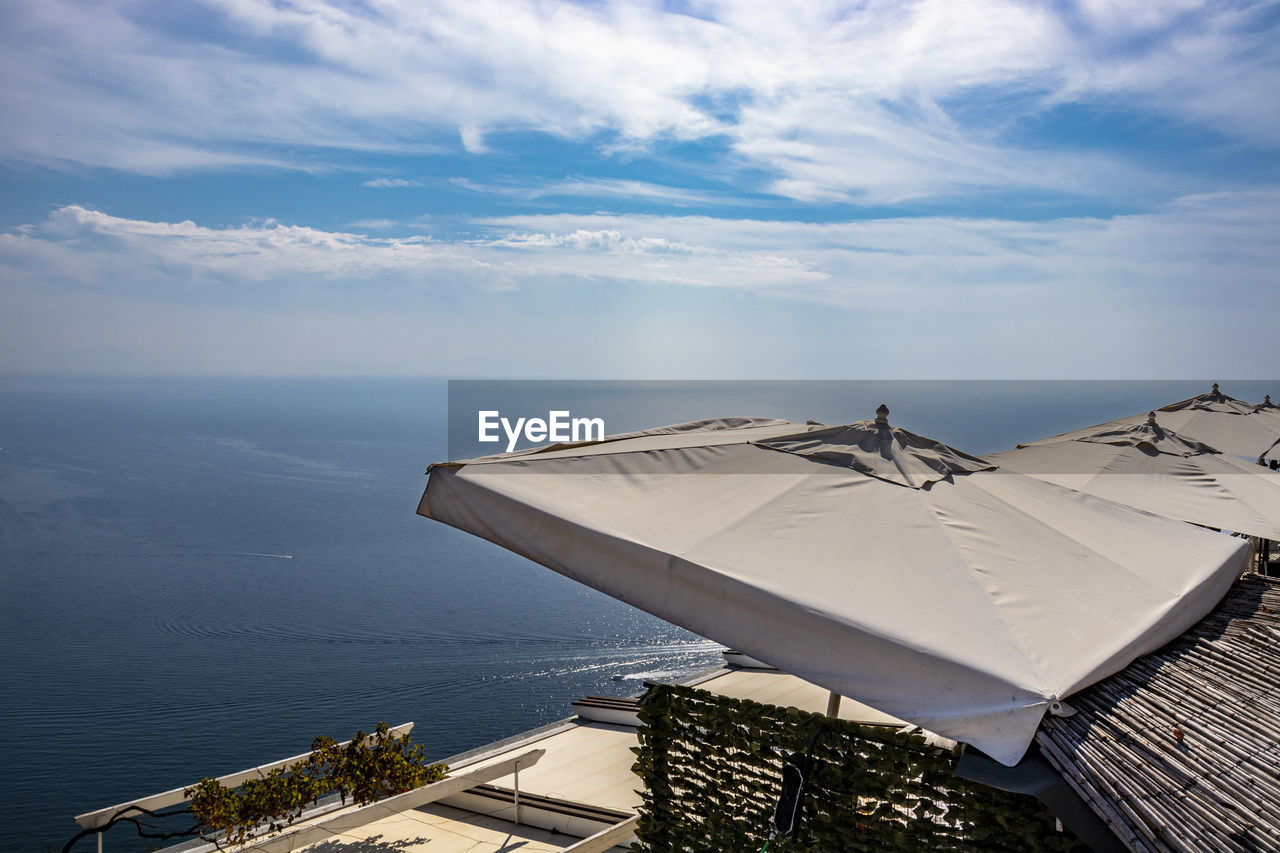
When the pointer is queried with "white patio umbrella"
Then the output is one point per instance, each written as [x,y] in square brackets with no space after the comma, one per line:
[1159,470]
[1272,452]
[868,560]
[1224,423]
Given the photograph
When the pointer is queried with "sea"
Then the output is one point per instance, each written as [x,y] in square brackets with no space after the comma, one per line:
[198,576]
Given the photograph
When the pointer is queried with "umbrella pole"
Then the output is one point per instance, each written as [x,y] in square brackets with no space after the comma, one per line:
[833,704]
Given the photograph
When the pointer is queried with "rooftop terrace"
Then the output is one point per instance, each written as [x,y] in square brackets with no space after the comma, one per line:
[1177,752]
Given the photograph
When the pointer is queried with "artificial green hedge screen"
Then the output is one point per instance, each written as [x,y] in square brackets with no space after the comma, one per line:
[712,768]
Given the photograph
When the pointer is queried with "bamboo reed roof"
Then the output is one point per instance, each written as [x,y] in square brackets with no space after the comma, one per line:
[1180,751]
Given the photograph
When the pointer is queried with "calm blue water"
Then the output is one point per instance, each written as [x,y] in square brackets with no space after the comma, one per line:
[198,577]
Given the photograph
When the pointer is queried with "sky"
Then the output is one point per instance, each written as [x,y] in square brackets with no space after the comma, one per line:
[617,189]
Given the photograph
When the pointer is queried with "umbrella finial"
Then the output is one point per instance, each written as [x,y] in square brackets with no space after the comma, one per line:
[1266,401]
[882,415]
[1215,389]
[1151,418]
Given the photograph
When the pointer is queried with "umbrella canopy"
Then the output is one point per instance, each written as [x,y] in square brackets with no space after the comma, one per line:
[1159,470]
[1222,422]
[1272,452]
[871,561]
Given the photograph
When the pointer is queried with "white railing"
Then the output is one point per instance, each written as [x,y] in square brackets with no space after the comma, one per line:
[320,828]
[325,824]
[603,840]
[328,827]
[90,820]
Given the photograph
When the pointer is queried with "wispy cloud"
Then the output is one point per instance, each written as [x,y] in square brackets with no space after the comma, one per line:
[1179,291]
[374,224]
[393,183]
[88,249]
[1150,265]
[527,190]
[877,102]
[1143,263]
[609,241]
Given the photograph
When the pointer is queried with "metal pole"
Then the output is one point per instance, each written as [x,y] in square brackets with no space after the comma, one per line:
[99,842]
[833,704]
[517,795]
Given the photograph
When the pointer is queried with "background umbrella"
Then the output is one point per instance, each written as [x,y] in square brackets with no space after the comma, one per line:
[1159,470]
[1222,422]
[868,560]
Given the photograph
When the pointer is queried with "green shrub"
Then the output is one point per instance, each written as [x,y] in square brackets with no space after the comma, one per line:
[366,769]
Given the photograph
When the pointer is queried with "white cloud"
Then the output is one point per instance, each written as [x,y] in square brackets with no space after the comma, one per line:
[1217,250]
[392,183]
[593,187]
[374,224]
[833,101]
[94,250]
[1181,291]
[1212,248]
[91,249]
[608,240]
